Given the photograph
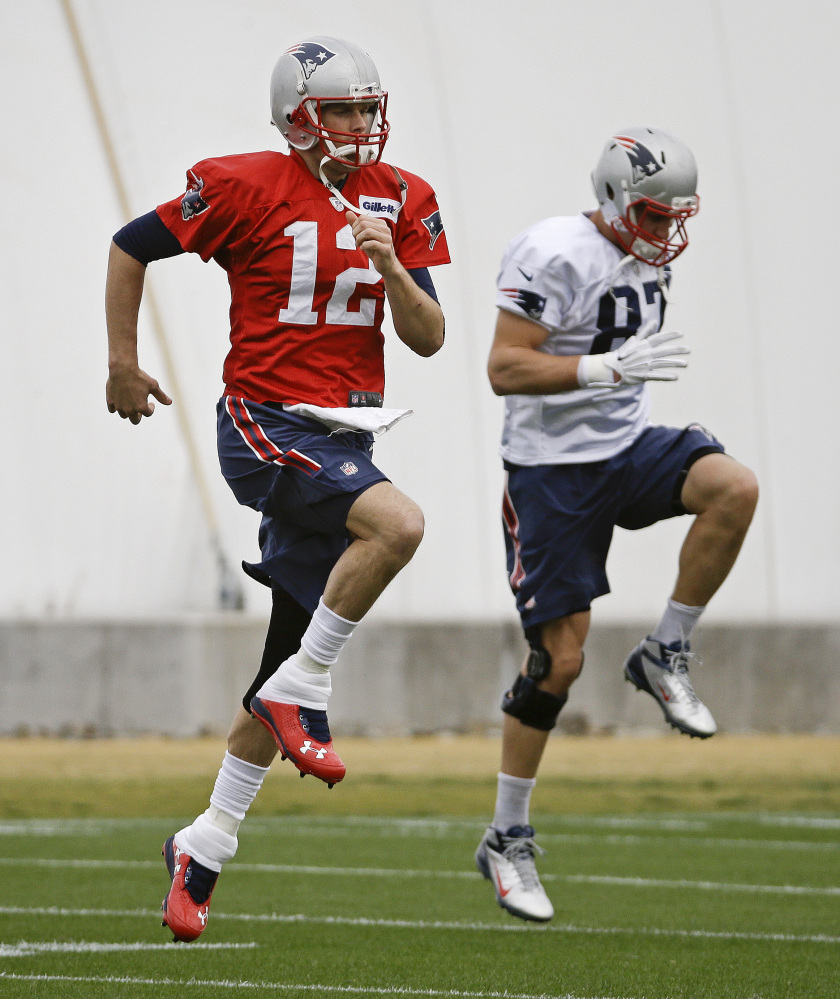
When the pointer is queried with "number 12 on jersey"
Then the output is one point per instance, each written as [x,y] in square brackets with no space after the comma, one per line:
[304,276]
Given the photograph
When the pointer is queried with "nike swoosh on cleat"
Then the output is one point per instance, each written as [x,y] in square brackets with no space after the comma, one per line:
[665,695]
[502,891]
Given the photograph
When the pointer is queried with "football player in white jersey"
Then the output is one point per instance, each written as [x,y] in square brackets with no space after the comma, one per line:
[581,304]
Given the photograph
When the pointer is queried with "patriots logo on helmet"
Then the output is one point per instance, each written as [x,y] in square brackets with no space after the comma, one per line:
[192,203]
[435,226]
[310,55]
[644,163]
[532,304]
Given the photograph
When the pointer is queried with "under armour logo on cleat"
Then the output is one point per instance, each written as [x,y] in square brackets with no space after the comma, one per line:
[176,869]
[319,753]
[203,917]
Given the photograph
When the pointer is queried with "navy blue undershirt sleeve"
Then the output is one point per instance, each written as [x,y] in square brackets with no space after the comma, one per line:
[423,280]
[146,239]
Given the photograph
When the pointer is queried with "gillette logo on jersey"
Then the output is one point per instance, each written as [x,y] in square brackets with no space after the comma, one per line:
[379,208]
[310,56]
[645,164]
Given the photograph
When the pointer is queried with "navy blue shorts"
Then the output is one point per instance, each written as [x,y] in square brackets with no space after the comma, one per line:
[303,480]
[559,519]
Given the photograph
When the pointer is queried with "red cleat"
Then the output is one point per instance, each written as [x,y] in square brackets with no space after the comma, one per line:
[187,906]
[303,736]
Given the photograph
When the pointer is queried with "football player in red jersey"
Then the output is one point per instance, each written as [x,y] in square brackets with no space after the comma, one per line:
[313,243]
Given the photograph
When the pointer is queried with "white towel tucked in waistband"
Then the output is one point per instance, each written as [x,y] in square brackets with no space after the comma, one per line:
[365,418]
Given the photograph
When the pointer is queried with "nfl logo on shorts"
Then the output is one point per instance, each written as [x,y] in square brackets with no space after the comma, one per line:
[349,468]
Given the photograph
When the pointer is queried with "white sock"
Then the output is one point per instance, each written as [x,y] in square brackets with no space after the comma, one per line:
[211,838]
[304,678]
[207,842]
[237,784]
[513,799]
[326,635]
[677,623]
[299,680]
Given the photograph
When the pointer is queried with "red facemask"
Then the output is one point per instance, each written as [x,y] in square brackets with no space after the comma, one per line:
[644,245]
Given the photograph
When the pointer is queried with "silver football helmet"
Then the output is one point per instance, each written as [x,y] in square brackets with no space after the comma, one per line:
[323,70]
[643,174]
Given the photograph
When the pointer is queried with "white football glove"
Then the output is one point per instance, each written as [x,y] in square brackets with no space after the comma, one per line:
[641,358]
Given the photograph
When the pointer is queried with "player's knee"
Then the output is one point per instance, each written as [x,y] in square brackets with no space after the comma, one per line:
[557,670]
[414,527]
[565,670]
[747,492]
[405,532]
[737,498]
[390,521]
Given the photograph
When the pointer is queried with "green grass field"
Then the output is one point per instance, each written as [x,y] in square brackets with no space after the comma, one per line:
[650,903]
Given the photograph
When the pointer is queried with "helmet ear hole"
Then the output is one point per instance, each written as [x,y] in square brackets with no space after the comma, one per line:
[610,192]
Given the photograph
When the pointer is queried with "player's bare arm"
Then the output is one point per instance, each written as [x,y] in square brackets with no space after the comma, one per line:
[418,319]
[516,365]
[128,387]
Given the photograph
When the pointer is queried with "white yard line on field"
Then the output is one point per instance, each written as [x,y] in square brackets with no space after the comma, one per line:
[340,826]
[607,839]
[379,990]
[427,924]
[712,842]
[380,872]
[26,948]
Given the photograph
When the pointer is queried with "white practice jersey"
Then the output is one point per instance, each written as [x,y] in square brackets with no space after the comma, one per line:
[564,275]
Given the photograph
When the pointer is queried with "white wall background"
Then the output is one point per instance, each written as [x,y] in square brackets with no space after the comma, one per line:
[505,114]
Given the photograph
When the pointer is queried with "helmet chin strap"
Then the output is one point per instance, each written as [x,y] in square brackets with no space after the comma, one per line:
[660,271]
[341,152]
[629,258]
[661,281]
[328,184]
[367,154]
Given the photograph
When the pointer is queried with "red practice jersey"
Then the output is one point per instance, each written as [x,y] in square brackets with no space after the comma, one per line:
[306,305]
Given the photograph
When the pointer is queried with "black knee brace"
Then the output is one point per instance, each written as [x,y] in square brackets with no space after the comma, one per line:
[525,701]
[532,706]
[285,629]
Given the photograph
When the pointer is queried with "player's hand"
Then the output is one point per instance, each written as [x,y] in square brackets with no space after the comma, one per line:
[127,393]
[649,357]
[374,237]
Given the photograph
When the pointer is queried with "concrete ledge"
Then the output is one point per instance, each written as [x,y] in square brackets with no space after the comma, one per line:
[185,676]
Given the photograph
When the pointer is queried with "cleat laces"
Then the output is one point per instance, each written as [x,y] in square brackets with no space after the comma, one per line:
[314,723]
[199,882]
[520,851]
[678,662]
